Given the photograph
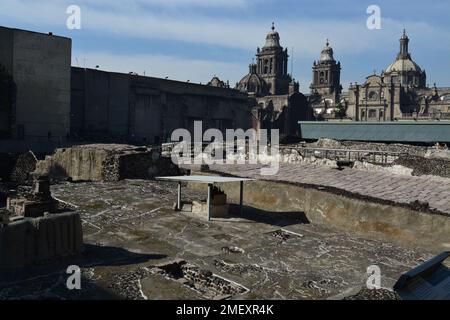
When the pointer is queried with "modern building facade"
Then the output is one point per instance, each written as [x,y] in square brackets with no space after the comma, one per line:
[112,107]
[36,108]
[45,103]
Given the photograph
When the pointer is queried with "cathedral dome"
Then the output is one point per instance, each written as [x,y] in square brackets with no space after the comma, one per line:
[272,39]
[326,54]
[404,70]
[403,65]
[252,83]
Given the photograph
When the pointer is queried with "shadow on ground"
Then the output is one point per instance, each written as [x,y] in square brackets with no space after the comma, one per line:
[49,281]
[279,219]
[95,255]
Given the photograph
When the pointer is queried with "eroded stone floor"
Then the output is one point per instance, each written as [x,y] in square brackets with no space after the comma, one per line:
[130,227]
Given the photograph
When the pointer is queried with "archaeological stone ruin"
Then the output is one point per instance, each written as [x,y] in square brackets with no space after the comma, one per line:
[105,162]
[36,229]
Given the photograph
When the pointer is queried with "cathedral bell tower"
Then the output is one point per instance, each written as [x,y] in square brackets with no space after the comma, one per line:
[327,75]
[272,64]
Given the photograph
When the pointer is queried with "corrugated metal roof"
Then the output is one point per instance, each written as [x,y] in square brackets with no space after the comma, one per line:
[403,131]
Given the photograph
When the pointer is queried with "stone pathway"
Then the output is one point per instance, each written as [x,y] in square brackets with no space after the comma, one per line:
[396,188]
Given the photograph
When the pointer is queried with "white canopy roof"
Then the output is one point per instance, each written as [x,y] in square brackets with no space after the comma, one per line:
[204,179]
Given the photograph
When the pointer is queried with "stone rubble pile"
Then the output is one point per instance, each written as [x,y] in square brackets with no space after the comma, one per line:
[36,203]
[422,166]
[374,294]
[25,165]
[237,268]
[393,169]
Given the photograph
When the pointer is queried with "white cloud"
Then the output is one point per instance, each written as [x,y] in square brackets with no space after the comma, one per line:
[195,70]
[136,19]
[307,36]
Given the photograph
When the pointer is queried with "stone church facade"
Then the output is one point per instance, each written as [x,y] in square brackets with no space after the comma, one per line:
[274,96]
[326,89]
[399,93]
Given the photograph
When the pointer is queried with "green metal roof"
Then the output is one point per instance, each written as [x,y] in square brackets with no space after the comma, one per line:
[401,131]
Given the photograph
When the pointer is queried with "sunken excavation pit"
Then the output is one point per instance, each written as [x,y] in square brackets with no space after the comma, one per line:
[310,232]
[209,285]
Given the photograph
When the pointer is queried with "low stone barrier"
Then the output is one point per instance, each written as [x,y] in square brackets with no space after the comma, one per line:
[40,240]
[106,162]
[360,217]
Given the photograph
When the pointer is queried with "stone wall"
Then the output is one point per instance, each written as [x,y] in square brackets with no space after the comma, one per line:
[115,107]
[37,241]
[78,163]
[106,162]
[359,217]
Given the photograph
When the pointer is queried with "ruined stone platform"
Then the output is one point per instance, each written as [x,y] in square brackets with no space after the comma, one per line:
[404,190]
[105,162]
[261,256]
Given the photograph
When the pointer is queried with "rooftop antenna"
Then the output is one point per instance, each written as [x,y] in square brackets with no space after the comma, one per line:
[76,60]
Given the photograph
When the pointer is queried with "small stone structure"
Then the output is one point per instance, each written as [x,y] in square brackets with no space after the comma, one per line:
[219,207]
[35,230]
[106,162]
[35,204]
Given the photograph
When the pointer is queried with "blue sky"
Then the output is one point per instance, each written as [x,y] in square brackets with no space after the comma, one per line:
[196,39]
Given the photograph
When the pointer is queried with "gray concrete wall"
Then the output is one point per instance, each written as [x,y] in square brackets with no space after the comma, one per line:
[6,40]
[40,66]
[362,218]
[6,48]
[107,105]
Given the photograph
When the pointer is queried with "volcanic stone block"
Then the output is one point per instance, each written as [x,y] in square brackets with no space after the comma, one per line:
[25,165]
[106,162]
[30,208]
[38,241]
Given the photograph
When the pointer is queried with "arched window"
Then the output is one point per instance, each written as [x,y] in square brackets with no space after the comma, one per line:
[322,79]
[266,66]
